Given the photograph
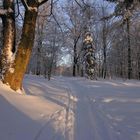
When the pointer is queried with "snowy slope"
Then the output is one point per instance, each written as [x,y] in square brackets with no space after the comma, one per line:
[22,117]
[71,109]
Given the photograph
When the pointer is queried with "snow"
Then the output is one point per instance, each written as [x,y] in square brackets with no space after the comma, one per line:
[71,109]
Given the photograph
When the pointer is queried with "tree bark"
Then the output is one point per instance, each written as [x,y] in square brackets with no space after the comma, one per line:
[74,60]
[104,70]
[138,65]
[14,79]
[9,35]
[129,49]
[51,66]
[38,67]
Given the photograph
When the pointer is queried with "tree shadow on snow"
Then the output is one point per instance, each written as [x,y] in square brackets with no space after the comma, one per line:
[15,125]
[42,91]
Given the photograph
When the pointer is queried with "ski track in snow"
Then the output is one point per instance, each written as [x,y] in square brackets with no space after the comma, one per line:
[90,110]
[62,120]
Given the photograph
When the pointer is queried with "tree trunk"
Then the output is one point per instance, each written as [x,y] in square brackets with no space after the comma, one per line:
[78,69]
[129,49]
[9,36]
[82,72]
[138,65]
[104,70]
[74,69]
[38,67]
[100,66]
[50,68]
[74,60]
[14,78]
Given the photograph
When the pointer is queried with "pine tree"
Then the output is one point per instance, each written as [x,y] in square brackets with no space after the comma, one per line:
[89,57]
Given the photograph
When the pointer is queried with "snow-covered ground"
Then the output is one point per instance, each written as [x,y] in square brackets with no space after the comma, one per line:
[71,109]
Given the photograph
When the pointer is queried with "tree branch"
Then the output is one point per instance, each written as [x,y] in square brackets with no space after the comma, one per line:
[51,10]
[42,2]
[58,24]
[24,2]
[18,11]
[108,17]
[27,7]
[79,4]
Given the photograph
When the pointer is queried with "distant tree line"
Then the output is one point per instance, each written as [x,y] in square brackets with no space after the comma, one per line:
[37,35]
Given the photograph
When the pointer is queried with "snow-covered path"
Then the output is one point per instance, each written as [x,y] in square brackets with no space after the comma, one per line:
[100,110]
[105,110]
[72,109]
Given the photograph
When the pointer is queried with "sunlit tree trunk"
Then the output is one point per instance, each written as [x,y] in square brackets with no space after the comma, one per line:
[14,78]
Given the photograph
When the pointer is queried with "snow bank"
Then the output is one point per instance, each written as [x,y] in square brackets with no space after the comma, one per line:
[23,116]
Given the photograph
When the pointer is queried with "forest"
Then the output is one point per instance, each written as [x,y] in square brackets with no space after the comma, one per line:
[69,69]
[47,38]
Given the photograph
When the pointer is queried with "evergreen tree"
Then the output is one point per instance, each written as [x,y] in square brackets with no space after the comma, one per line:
[89,57]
